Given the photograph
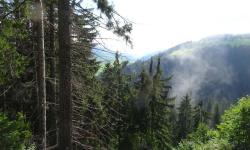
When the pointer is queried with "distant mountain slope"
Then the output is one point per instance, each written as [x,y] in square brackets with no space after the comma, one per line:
[106,56]
[215,67]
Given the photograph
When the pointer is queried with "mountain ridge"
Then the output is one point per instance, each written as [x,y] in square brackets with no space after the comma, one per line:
[214,67]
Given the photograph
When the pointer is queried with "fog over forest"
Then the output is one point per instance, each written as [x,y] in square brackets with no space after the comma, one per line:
[124,75]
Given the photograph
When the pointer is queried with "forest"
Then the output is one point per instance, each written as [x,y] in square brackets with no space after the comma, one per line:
[57,94]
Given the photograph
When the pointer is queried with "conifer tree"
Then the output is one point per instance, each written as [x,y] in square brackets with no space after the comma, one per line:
[184,118]
[160,108]
[51,83]
[86,89]
[151,67]
[117,96]
[142,100]
[200,115]
[216,116]
[40,68]
[65,101]
[88,114]
[173,126]
[153,106]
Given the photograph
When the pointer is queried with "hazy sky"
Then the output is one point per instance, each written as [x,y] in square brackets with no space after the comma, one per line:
[160,24]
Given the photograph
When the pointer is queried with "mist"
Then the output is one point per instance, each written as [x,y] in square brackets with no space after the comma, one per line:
[194,71]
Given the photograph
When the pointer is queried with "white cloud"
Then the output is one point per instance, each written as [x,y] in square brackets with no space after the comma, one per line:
[160,24]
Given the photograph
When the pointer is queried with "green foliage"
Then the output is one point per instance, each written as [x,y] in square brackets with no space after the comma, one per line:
[204,139]
[235,126]
[151,112]
[112,110]
[88,116]
[12,63]
[117,95]
[216,116]
[232,133]
[100,114]
[200,115]
[216,144]
[201,134]
[13,29]
[184,118]
[14,134]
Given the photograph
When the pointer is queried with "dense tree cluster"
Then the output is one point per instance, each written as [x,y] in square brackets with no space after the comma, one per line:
[70,100]
[231,133]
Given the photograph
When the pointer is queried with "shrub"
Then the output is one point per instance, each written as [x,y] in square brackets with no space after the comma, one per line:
[235,126]
[14,134]
[204,139]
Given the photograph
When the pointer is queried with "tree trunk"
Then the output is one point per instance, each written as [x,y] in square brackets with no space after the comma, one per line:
[65,102]
[51,86]
[40,68]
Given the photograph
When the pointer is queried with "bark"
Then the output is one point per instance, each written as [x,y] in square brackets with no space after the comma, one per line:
[65,102]
[40,69]
[51,87]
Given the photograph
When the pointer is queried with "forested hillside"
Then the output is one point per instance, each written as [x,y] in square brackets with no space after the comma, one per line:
[212,68]
[57,92]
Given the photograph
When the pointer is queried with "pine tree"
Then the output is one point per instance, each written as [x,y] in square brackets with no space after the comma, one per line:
[40,65]
[86,89]
[160,108]
[151,115]
[151,67]
[184,118]
[209,105]
[173,126]
[117,96]
[17,40]
[142,102]
[200,115]
[51,71]
[216,116]
[13,32]
[65,101]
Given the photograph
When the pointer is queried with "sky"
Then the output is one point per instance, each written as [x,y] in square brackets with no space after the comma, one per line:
[161,24]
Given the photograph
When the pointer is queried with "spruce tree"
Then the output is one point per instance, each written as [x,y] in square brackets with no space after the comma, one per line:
[160,108]
[65,100]
[40,69]
[153,106]
[116,100]
[184,118]
[200,115]
[216,116]
[51,80]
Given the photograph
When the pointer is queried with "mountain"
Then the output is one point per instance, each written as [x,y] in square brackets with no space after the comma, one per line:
[216,67]
[106,56]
